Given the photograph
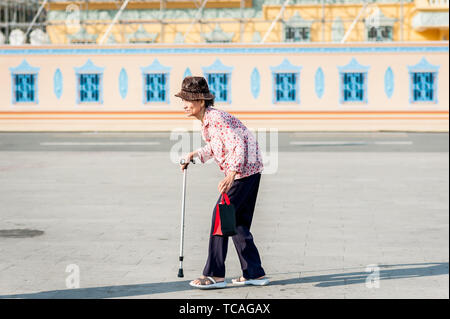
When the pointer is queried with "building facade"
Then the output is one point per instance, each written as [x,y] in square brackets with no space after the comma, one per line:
[247,21]
[315,87]
[232,21]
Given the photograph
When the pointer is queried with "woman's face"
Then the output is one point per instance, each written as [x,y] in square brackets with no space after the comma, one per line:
[193,108]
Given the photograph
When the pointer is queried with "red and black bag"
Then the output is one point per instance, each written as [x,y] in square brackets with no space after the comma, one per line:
[225,222]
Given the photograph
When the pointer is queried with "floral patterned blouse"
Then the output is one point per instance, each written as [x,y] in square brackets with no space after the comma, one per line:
[230,143]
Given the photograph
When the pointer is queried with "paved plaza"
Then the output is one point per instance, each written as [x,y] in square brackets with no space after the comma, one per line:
[339,215]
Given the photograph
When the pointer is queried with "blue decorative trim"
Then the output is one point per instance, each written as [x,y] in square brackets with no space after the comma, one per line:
[154,49]
[353,67]
[123,83]
[255,80]
[319,81]
[423,66]
[286,67]
[187,73]
[25,68]
[58,83]
[156,67]
[217,67]
[89,68]
[389,82]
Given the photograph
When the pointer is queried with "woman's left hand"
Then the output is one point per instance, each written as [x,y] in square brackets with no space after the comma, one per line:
[226,183]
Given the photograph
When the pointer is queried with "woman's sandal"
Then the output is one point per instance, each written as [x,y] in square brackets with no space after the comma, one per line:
[255,282]
[208,283]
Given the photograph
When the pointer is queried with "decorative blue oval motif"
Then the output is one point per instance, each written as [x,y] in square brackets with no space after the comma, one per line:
[187,73]
[123,83]
[389,82]
[319,83]
[255,81]
[57,83]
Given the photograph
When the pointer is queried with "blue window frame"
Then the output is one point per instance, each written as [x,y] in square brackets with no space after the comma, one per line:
[89,83]
[423,78]
[24,83]
[24,88]
[155,87]
[353,86]
[353,82]
[286,83]
[89,87]
[423,86]
[218,76]
[155,83]
[285,87]
[219,86]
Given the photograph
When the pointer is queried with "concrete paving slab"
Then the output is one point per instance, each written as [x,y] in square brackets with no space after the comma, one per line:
[116,216]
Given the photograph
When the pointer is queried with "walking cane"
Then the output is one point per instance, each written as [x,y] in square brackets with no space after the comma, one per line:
[180,271]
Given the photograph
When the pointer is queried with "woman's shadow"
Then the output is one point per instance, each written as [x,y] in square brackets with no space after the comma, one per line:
[384,272]
[380,272]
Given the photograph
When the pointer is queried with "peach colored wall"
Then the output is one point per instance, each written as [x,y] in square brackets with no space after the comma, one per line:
[243,64]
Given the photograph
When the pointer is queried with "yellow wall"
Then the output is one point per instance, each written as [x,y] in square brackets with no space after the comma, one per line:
[347,12]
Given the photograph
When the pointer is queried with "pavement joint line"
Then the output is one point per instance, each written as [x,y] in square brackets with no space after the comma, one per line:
[327,143]
[97,143]
[394,143]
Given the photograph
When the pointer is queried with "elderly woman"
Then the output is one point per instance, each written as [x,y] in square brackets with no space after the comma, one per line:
[236,151]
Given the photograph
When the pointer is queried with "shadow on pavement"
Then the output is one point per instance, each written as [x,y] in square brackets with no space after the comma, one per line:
[108,291]
[386,272]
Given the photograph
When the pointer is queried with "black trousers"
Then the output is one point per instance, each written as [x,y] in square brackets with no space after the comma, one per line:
[242,195]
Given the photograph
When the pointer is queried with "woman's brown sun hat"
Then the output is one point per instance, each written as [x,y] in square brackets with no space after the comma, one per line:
[195,88]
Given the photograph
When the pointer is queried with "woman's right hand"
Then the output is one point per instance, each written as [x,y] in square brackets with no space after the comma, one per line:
[187,159]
